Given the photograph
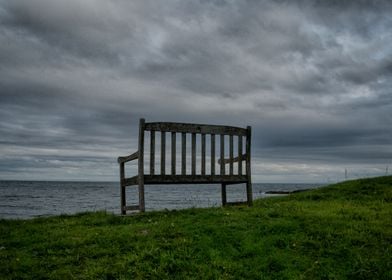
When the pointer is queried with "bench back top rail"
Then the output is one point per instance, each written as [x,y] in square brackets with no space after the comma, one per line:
[195,128]
[205,142]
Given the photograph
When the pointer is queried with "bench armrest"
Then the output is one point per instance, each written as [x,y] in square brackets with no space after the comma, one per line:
[128,158]
[236,159]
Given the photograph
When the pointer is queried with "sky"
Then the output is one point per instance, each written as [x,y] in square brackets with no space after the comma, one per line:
[312,78]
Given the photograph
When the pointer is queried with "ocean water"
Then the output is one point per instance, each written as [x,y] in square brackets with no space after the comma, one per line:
[28,199]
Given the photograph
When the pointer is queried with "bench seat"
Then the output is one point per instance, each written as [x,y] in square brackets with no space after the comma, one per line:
[187,179]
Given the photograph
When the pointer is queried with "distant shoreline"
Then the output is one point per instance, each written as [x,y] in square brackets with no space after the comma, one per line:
[286,192]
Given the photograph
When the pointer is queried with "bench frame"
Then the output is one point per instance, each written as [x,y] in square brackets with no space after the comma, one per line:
[185,128]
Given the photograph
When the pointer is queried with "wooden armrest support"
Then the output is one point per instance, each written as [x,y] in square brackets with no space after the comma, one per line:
[128,158]
[236,159]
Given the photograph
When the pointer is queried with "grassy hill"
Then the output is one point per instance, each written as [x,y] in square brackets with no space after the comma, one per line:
[342,231]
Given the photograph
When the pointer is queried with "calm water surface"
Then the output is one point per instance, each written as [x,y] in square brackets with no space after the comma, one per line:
[24,199]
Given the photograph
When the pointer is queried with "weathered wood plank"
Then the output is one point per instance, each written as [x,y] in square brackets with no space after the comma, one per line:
[212,154]
[236,203]
[248,167]
[122,172]
[152,153]
[224,197]
[222,154]
[195,128]
[141,165]
[132,207]
[240,155]
[128,158]
[163,152]
[122,188]
[236,159]
[203,154]
[193,153]
[173,153]
[183,153]
[131,181]
[194,179]
[231,154]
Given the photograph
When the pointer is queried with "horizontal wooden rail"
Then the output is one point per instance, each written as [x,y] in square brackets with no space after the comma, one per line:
[132,207]
[236,203]
[236,159]
[184,179]
[130,181]
[194,179]
[128,158]
[195,128]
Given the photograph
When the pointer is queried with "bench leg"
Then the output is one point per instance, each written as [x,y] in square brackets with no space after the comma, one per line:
[249,193]
[224,198]
[122,188]
[141,196]
[123,199]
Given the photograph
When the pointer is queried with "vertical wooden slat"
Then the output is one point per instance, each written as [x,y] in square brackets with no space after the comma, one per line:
[212,154]
[173,153]
[224,197]
[231,154]
[163,153]
[222,154]
[183,153]
[239,155]
[152,153]
[193,153]
[203,154]
[248,169]
[141,165]
[122,186]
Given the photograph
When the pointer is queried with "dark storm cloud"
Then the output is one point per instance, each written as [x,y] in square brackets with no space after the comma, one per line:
[313,78]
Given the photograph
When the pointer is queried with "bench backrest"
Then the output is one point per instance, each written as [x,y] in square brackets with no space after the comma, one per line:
[217,136]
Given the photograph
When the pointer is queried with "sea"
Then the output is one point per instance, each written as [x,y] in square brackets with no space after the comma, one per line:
[29,199]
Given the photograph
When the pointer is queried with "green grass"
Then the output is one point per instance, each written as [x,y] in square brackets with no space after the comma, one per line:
[343,231]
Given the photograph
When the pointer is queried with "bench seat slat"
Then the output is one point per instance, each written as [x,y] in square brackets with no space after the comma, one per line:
[194,179]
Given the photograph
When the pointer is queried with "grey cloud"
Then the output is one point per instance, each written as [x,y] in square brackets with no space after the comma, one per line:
[311,77]
[72,26]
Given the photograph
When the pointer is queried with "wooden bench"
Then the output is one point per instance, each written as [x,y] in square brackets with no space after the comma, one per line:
[198,132]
